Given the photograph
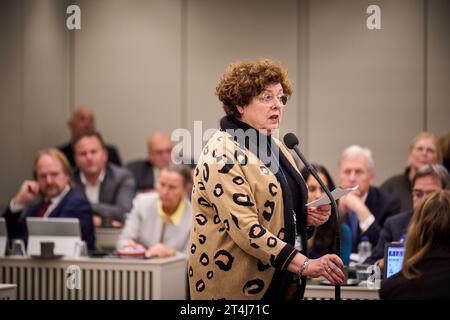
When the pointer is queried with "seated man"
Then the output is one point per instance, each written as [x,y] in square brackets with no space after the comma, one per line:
[368,207]
[159,148]
[161,221]
[427,179]
[109,188]
[49,195]
[83,120]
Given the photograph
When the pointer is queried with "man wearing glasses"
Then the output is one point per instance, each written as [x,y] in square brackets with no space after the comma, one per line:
[146,172]
[428,179]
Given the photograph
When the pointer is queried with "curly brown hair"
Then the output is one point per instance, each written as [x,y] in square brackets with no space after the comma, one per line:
[247,79]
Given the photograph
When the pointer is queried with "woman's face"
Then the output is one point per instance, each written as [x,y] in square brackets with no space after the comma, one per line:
[424,152]
[315,191]
[266,110]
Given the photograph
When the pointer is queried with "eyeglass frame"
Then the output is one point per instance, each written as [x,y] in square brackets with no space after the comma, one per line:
[419,194]
[421,149]
[283,99]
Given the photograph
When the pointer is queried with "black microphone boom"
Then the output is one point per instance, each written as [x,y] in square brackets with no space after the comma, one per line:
[291,141]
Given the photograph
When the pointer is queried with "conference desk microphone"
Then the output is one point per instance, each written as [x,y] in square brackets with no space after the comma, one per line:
[291,141]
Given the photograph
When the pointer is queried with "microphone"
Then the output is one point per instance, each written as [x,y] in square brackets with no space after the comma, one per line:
[291,141]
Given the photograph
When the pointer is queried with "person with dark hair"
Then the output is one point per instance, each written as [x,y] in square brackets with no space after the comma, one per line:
[429,178]
[109,188]
[323,240]
[426,264]
[444,143]
[49,195]
[249,230]
[160,222]
[83,119]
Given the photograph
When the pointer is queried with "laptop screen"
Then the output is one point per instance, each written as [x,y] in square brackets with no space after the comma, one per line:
[64,232]
[393,258]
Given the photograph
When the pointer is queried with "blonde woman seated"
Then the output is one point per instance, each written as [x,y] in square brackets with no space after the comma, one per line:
[160,222]
[426,266]
[424,149]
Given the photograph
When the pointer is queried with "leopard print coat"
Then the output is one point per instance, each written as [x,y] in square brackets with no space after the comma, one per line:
[238,227]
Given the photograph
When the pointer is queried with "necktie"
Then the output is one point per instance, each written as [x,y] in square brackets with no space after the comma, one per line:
[354,226]
[43,208]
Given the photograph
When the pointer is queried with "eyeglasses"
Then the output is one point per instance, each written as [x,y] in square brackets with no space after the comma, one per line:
[419,194]
[426,150]
[269,99]
[162,152]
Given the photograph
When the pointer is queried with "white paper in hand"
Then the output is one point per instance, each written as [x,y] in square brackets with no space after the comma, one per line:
[337,193]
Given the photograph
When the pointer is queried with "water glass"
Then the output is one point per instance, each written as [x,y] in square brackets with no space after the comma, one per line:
[18,248]
[81,250]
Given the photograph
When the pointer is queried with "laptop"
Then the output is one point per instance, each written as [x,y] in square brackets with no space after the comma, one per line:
[64,232]
[3,237]
[393,258]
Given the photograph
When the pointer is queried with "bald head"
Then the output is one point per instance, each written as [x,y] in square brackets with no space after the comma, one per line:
[82,120]
[159,149]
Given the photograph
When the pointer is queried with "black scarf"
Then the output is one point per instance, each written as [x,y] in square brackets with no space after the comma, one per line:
[268,152]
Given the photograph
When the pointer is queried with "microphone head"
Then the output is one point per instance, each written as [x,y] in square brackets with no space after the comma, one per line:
[290,140]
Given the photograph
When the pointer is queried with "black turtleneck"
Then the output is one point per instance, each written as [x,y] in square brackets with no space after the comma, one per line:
[294,192]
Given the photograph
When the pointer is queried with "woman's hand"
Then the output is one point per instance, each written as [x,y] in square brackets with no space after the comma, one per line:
[329,266]
[318,215]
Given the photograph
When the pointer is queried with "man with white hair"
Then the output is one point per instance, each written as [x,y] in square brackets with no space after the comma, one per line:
[368,207]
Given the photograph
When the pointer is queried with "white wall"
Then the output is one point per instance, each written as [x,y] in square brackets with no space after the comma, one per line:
[127,66]
[34,82]
[147,65]
[438,66]
[366,86]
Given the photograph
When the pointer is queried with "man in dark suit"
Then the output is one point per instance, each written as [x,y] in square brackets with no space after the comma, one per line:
[109,188]
[367,208]
[428,179]
[83,120]
[145,172]
[49,195]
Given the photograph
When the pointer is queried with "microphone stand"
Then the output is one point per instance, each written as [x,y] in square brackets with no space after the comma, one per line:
[337,244]
[337,248]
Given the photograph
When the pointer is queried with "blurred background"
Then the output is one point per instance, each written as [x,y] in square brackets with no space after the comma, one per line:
[150,65]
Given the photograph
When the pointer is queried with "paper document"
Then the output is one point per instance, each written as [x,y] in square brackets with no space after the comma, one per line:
[337,193]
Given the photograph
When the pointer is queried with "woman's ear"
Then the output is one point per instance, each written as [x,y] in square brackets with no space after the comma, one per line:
[240,109]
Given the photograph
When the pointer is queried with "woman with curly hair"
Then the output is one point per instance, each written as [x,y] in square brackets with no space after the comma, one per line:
[249,233]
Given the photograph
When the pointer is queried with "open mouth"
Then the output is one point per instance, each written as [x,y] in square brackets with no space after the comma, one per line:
[274,117]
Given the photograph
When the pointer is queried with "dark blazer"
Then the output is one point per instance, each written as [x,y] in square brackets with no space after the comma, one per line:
[73,205]
[382,205]
[113,154]
[400,186]
[433,284]
[142,171]
[116,192]
[394,229]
